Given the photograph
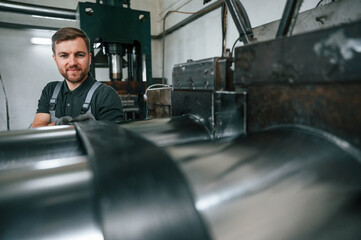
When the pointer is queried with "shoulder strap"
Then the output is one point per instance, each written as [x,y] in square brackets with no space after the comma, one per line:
[53,101]
[89,96]
[55,95]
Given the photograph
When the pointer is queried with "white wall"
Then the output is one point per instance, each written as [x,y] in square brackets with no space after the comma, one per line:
[203,38]
[25,68]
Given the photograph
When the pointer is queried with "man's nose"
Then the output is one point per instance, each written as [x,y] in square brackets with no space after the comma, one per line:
[72,60]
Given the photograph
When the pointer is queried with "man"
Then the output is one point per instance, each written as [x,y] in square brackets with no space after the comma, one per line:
[79,97]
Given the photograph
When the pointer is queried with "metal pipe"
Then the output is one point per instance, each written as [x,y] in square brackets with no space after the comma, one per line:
[240,19]
[115,53]
[45,181]
[36,10]
[287,183]
[43,135]
[144,68]
[26,26]
[47,185]
[244,15]
[188,20]
[54,197]
[135,56]
[289,17]
[170,131]
[130,64]
[115,70]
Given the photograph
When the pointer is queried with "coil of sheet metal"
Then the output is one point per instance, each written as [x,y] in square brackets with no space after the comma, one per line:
[104,181]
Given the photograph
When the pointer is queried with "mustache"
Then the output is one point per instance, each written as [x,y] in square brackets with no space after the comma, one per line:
[73,68]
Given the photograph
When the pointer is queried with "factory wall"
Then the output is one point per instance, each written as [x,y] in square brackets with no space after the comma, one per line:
[26,68]
[203,37]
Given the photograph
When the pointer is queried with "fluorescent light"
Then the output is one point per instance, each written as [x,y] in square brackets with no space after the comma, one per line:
[41,41]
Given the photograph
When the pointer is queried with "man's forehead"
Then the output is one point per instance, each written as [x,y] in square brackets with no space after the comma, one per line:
[71,45]
[78,41]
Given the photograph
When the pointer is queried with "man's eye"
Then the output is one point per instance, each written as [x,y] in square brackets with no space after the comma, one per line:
[62,56]
[81,55]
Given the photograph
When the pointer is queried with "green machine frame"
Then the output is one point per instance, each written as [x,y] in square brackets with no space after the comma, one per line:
[119,38]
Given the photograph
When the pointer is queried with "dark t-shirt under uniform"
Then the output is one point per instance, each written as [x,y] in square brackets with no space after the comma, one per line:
[105,104]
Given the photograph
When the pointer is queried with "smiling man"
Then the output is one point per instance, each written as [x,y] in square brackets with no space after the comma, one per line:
[79,97]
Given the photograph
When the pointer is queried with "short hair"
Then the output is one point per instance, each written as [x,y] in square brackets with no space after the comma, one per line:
[69,33]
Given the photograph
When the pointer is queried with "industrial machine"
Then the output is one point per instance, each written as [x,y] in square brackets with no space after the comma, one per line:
[267,149]
[107,181]
[120,41]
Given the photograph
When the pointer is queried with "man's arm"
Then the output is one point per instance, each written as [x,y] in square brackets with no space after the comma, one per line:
[42,117]
[42,120]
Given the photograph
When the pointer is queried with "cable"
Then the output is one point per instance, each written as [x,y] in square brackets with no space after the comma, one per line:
[318,4]
[157,85]
[234,44]
[6,104]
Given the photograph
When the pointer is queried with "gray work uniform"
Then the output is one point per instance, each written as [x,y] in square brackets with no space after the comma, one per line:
[86,105]
[105,103]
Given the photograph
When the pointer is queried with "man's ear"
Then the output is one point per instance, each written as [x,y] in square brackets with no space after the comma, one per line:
[54,57]
[90,58]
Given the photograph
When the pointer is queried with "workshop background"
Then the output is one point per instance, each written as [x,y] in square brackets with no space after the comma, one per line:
[257,141]
[25,68]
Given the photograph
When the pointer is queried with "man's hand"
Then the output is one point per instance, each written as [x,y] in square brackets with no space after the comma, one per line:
[43,119]
[83,117]
[66,120]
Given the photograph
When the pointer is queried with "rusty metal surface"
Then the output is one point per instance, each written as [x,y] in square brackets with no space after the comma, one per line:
[325,16]
[203,75]
[127,87]
[159,102]
[221,112]
[328,55]
[229,114]
[334,108]
[194,103]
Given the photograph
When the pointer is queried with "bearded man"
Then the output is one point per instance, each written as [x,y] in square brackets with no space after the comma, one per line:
[79,97]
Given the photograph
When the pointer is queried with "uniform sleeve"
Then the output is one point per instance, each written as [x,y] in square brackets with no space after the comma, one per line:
[44,101]
[110,106]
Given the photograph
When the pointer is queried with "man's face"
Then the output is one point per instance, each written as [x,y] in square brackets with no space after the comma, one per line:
[72,59]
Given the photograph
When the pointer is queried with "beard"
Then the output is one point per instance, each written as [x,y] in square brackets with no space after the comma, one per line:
[79,76]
